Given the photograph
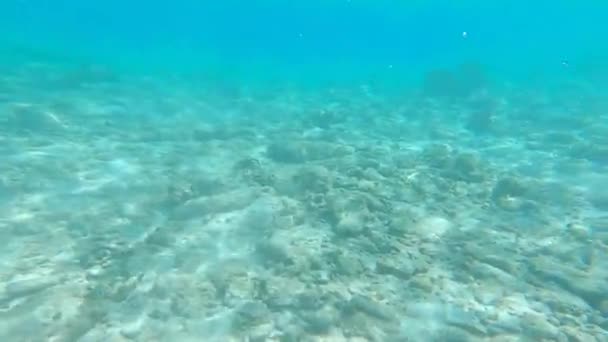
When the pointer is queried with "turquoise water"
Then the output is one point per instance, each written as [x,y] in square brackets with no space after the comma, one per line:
[303,171]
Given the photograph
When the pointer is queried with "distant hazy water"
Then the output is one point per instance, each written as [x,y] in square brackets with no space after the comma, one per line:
[338,39]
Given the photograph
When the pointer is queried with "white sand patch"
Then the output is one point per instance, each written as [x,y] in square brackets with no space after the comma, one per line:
[432,227]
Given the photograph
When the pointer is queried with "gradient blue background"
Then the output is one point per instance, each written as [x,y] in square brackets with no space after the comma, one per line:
[307,39]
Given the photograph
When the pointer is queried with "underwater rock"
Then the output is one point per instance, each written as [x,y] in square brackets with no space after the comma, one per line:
[368,306]
[347,265]
[437,155]
[402,220]
[178,193]
[310,300]
[576,335]
[228,279]
[538,327]
[259,220]
[313,178]
[351,224]
[320,206]
[252,171]
[248,315]
[432,227]
[206,186]
[279,301]
[396,268]
[591,287]
[160,237]
[507,187]
[220,203]
[273,253]
[466,167]
[450,314]
[287,152]
[317,324]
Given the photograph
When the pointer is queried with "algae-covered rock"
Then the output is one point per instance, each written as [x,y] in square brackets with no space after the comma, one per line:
[252,171]
[271,252]
[250,314]
[369,307]
[314,179]
[437,155]
[220,203]
[396,267]
[466,167]
[317,324]
[402,220]
[348,265]
[509,187]
[351,223]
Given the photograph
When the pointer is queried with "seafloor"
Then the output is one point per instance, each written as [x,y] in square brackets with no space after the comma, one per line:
[142,209]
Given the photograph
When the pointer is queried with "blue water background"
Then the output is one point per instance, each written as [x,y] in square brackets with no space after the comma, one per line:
[313,40]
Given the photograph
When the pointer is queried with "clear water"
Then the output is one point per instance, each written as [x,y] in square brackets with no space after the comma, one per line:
[303,171]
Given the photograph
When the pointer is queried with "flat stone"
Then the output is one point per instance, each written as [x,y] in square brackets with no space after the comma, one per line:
[25,287]
[371,308]
[348,265]
[463,319]
[592,288]
[317,324]
[132,330]
[402,271]
[537,326]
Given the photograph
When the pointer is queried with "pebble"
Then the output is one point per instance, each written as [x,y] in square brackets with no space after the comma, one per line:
[350,225]
[273,253]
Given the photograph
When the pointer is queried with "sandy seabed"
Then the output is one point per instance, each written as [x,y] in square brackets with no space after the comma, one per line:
[135,209]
